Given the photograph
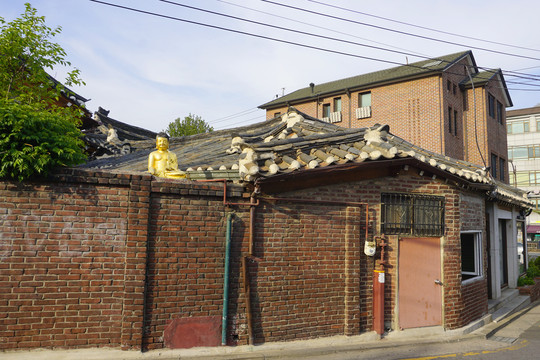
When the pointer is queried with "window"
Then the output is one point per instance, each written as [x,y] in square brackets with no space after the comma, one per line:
[454,89]
[518,152]
[494,165]
[364,99]
[449,119]
[455,122]
[337,104]
[524,152]
[534,151]
[326,110]
[448,85]
[406,214]
[518,127]
[534,178]
[471,255]
[502,166]
[277,114]
[499,113]
[491,105]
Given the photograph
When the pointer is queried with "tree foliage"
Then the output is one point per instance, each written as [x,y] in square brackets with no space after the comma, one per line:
[36,134]
[190,125]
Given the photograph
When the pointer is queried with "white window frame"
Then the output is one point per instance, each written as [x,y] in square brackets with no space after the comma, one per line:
[478,272]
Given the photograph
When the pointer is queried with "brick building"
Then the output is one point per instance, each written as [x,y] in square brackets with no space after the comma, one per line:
[446,105]
[276,221]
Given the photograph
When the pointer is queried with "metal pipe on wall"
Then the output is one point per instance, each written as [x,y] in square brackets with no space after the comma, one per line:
[226,281]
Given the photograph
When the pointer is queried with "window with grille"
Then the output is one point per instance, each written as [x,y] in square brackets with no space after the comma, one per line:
[407,214]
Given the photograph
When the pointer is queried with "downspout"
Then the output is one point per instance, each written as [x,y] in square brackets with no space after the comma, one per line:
[350,108]
[226,281]
[254,202]
[442,111]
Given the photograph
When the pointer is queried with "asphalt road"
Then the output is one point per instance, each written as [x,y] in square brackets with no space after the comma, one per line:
[526,347]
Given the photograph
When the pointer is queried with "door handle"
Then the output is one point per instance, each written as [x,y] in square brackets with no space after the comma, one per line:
[439,282]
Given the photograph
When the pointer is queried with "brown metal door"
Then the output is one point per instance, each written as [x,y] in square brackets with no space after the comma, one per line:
[420,298]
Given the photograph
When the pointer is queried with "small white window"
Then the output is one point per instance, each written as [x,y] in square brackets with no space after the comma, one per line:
[471,255]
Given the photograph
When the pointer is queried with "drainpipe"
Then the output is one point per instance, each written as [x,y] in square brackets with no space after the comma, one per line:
[378,290]
[226,281]
[253,203]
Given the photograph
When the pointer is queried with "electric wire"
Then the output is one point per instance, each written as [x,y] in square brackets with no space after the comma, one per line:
[398,31]
[528,76]
[290,30]
[229,117]
[316,26]
[248,34]
[321,36]
[422,27]
[262,36]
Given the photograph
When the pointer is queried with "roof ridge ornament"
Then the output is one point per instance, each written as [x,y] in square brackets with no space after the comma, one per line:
[292,118]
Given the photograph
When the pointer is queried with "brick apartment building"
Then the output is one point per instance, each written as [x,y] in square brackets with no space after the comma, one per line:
[446,105]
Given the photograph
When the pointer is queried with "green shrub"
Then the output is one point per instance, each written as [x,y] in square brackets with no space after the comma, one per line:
[524,280]
[533,271]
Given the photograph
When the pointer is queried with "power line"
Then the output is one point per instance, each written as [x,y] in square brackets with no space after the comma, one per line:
[288,29]
[229,117]
[261,36]
[319,36]
[247,33]
[423,27]
[398,31]
[315,26]
[245,122]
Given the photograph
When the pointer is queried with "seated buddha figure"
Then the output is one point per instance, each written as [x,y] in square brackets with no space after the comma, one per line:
[162,162]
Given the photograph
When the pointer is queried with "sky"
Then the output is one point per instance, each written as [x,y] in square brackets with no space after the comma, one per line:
[148,70]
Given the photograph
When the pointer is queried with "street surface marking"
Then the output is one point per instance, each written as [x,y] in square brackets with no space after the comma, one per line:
[521,345]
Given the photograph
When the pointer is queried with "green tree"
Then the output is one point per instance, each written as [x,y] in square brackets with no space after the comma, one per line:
[36,134]
[190,125]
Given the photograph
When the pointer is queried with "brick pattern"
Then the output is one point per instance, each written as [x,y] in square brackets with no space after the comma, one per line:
[99,259]
[62,266]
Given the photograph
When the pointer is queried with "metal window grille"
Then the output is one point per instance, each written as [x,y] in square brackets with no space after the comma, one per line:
[406,214]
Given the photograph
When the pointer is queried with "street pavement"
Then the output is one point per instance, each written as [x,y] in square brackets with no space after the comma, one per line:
[509,338]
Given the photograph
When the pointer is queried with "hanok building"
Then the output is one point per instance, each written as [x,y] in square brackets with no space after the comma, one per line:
[278,230]
[446,105]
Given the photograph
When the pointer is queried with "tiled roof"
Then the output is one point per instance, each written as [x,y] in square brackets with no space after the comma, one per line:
[399,73]
[483,77]
[109,138]
[295,142]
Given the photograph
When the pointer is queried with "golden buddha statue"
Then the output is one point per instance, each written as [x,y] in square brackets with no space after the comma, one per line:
[162,162]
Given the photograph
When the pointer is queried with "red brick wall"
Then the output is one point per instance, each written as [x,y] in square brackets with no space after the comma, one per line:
[78,251]
[62,264]
[472,299]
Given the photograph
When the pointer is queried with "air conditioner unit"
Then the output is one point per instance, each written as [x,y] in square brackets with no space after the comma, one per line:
[335,117]
[363,112]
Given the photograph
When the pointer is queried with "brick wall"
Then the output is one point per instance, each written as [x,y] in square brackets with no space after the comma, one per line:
[124,260]
[62,263]
[472,299]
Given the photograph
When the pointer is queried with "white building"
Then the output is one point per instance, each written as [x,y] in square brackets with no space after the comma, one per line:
[524,155]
